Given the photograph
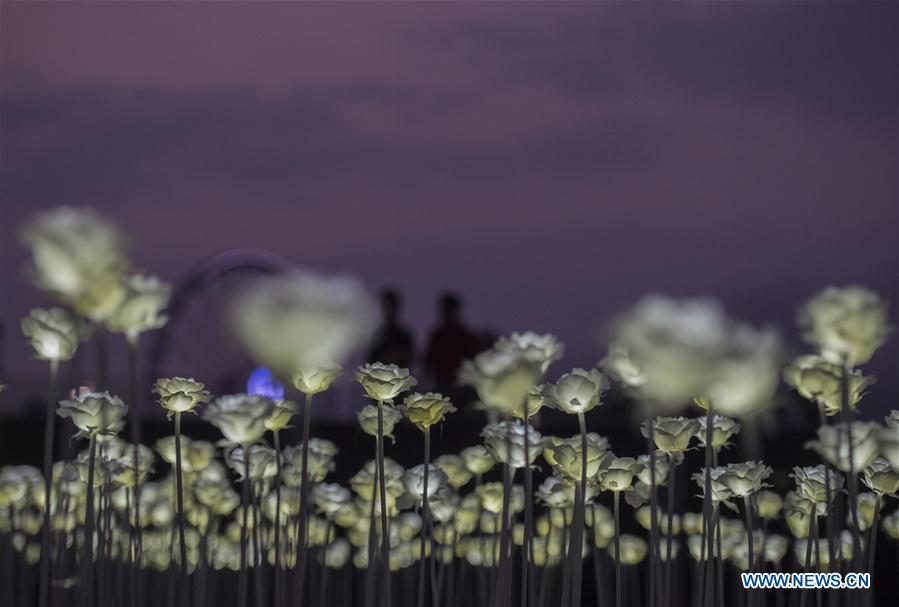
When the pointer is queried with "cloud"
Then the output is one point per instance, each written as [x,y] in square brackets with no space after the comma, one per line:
[834,57]
[93,142]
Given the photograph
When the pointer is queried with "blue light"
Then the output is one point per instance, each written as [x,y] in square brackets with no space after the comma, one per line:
[262,382]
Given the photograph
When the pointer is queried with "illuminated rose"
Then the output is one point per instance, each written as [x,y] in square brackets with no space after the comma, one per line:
[881,477]
[540,349]
[769,504]
[302,320]
[321,454]
[723,428]
[478,459]
[671,434]
[567,456]
[578,391]
[141,309]
[821,381]
[261,461]
[618,474]
[281,415]
[746,378]
[633,549]
[847,324]
[414,480]
[368,419]
[665,351]
[506,441]
[180,395]
[811,484]
[425,410]
[329,498]
[383,382]
[457,473]
[54,334]
[745,478]
[78,257]
[240,417]
[833,446]
[94,412]
[720,493]
[502,379]
[315,379]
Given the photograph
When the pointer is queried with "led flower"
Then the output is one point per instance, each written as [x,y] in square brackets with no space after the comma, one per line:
[54,334]
[865,511]
[368,419]
[414,480]
[578,391]
[811,484]
[833,446]
[506,441]
[775,548]
[890,524]
[302,320]
[643,515]
[491,496]
[329,498]
[555,492]
[78,257]
[425,410]
[723,429]
[665,351]
[320,460]
[889,438]
[259,458]
[744,479]
[720,493]
[847,324]
[282,413]
[633,549]
[661,468]
[180,395]
[746,378]
[821,381]
[618,474]
[541,349]
[383,382]
[457,473]
[769,504]
[881,477]
[567,458]
[314,379]
[145,297]
[94,413]
[478,459]
[240,417]
[671,434]
[502,379]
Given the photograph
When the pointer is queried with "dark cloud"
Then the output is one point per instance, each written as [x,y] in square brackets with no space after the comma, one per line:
[95,141]
[836,57]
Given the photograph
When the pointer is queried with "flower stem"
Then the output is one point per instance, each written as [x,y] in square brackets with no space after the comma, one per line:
[88,557]
[872,541]
[245,499]
[180,489]
[670,529]
[850,477]
[527,546]
[385,534]
[617,550]
[304,499]
[49,427]
[277,580]
[707,500]
[422,572]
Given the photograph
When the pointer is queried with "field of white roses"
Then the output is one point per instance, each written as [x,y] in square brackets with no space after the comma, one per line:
[521,518]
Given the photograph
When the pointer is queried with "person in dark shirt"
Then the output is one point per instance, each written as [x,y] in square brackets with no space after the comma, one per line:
[450,343]
[392,342]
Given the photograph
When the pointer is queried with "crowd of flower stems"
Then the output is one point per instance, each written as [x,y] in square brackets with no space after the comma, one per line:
[519,519]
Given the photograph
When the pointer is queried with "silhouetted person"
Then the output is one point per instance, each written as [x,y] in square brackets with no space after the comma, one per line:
[451,342]
[392,342]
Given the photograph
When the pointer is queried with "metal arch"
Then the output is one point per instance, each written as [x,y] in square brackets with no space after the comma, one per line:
[205,273]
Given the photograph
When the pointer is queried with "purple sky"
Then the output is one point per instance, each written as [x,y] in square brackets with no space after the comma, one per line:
[551,162]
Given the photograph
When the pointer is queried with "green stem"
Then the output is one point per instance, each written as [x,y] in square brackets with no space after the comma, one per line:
[277,581]
[179,485]
[617,550]
[385,532]
[422,573]
[88,557]
[49,438]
